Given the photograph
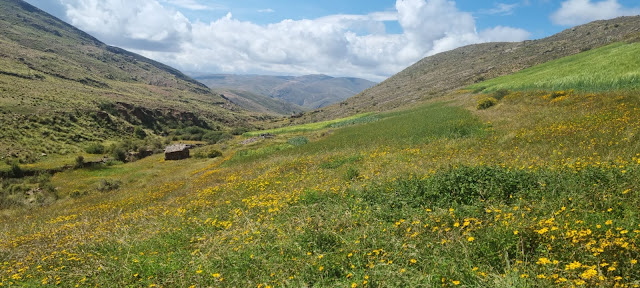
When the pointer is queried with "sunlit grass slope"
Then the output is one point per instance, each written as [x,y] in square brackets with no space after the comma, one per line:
[534,192]
[613,67]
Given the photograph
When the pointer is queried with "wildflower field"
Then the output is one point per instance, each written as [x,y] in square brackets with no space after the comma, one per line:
[536,191]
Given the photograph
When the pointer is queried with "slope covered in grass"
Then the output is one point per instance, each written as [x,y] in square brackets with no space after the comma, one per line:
[610,68]
[440,74]
[61,90]
[534,193]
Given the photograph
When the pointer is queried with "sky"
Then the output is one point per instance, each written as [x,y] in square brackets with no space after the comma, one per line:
[371,39]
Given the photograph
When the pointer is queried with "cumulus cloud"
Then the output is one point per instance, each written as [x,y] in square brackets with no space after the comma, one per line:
[137,24]
[340,45]
[576,12]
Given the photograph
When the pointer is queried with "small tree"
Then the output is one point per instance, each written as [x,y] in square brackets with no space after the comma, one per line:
[139,132]
[80,161]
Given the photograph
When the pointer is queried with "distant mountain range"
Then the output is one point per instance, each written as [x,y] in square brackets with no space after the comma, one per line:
[308,92]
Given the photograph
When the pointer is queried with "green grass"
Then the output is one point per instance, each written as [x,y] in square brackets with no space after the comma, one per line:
[610,68]
[360,118]
[528,193]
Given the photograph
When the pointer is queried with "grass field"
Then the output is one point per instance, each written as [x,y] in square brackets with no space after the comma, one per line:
[530,193]
[609,68]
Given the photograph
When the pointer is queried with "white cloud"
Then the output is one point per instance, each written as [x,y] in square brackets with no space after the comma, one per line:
[131,24]
[502,9]
[340,45]
[268,10]
[576,12]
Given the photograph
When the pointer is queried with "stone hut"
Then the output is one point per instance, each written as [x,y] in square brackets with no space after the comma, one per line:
[177,152]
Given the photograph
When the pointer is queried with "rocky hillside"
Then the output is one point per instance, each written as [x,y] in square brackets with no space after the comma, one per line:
[309,92]
[61,88]
[439,74]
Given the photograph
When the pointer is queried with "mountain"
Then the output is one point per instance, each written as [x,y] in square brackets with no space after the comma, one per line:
[442,73]
[61,88]
[259,103]
[309,92]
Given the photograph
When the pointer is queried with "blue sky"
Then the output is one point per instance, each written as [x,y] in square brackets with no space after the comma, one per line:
[369,39]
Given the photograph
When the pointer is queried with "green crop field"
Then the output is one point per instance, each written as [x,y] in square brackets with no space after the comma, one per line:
[613,67]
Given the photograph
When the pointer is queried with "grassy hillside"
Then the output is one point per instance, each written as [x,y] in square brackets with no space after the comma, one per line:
[613,67]
[443,73]
[529,193]
[309,92]
[61,90]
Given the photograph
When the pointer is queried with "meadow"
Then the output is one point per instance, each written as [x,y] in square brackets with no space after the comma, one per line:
[535,191]
[612,67]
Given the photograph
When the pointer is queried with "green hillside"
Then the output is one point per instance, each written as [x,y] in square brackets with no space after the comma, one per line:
[610,68]
[443,73]
[62,90]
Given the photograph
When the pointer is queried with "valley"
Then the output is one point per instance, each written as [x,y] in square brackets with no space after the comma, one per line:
[448,174]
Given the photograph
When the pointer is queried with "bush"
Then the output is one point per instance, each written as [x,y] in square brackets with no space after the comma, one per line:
[95,148]
[16,171]
[109,185]
[486,103]
[119,154]
[139,132]
[501,93]
[211,153]
[214,137]
[240,131]
[80,161]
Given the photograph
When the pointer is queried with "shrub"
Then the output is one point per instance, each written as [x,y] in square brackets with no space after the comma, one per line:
[16,171]
[95,148]
[240,131]
[139,132]
[486,103]
[79,161]
[214,137]
[109,185]
[119,154]
[211,153]
[501,93]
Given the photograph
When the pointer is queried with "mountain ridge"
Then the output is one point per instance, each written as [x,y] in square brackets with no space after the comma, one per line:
[61,89]
[444,72]
[308,91]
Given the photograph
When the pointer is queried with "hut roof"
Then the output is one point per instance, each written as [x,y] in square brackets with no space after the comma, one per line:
[176,148]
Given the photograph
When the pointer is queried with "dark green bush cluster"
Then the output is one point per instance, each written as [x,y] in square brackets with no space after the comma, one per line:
[486,103]
[95,148]
[195,133]
[207,153]
[107,185]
